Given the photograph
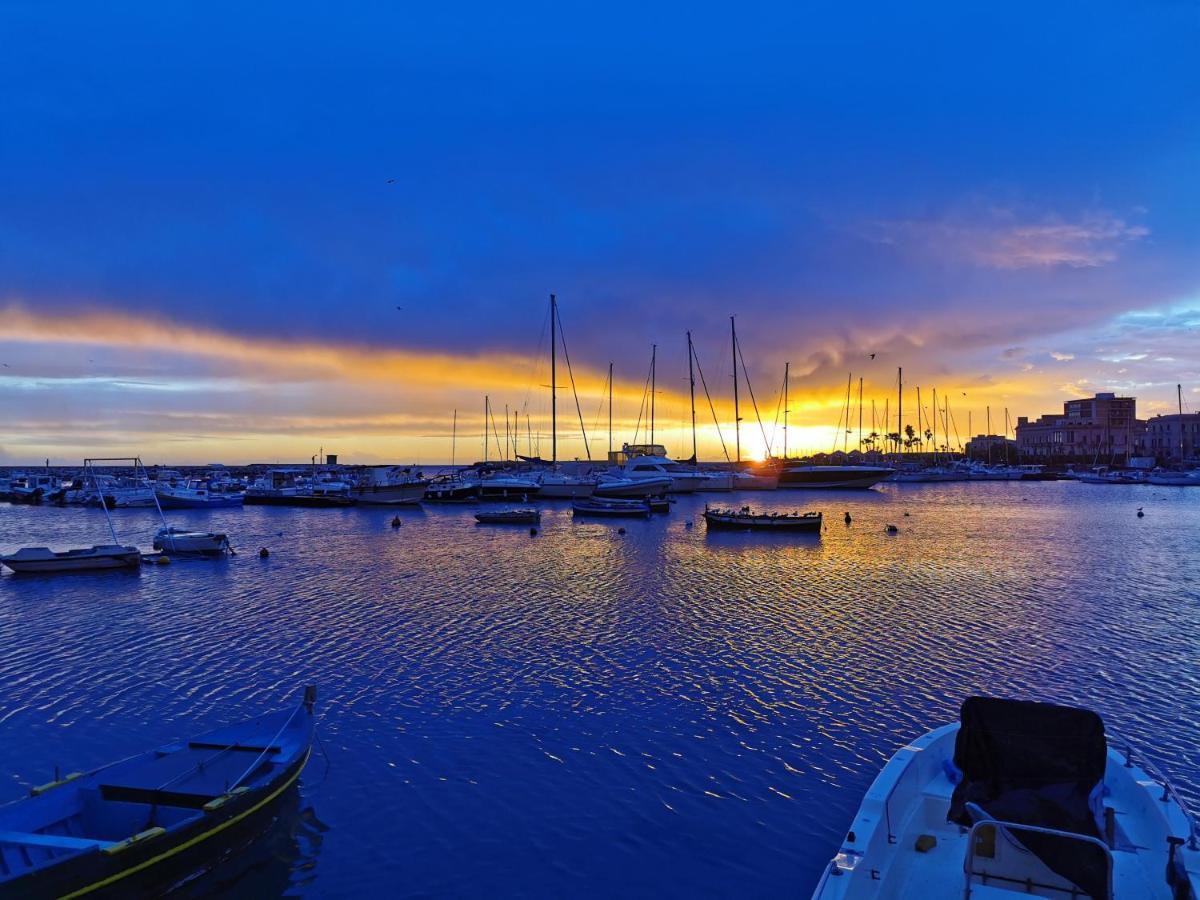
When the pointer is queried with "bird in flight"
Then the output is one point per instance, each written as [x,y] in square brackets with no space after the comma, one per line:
[391,181]
[872,356]
[400,307]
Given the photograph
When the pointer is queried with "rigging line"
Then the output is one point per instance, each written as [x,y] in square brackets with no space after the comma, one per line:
[642,408]
[775,424]
[708,396]
[578,409]
[750,388]
[957,439]
[495,432]
[837,434]
[600,405]
[536,365]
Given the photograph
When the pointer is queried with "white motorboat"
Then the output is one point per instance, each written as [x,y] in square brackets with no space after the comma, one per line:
[556,484]
[1105,475]
[389,486]
[1018,799]
[453,487]
[43,559]
[794,475]
[746,480]
[715,480]
[1168,478]
[682,479]
[33,489]
[123,493]
[180,540]
[505,486]
[195,494]
[616,485]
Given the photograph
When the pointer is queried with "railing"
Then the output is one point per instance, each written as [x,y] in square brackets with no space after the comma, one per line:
[1004,829]
[1148,766]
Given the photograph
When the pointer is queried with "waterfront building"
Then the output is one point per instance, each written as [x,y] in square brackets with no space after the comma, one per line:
[995,448]
[1104,428]
[1167,436]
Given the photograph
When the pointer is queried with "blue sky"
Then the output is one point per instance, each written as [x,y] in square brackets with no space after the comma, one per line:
[980,194]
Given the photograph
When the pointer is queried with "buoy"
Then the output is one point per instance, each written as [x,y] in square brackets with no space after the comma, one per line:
[533,532]
[848,519]
[620,531]
[687,525]
[396,523]
[163,561]
[906,514]
[263,552]
[1141,515]
[892,529]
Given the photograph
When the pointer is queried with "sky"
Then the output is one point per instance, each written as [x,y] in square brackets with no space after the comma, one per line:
[250,232]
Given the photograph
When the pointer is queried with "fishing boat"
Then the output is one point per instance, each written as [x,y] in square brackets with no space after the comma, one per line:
[801,475]
[1018,799]
[44,560]
[195,494]
[745,519]
[611,507]
[31,489]
[509,517]
[289,487]
[389,486]
[139,826]
[201,543]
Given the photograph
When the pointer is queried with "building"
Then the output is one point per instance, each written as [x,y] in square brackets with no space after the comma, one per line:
[1166,436]
[992,448]
[1100,429]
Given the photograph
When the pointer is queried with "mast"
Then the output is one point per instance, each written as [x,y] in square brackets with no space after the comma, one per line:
[553,380]
[786,367]
[487,408]
[860,413]
[899,407]
[453,437]
[737,419]
[920,432]
[610,409]
[692,392]
[1179,396]
[507,435]
[989,433]
[846,436]
[653,389]
[935,418]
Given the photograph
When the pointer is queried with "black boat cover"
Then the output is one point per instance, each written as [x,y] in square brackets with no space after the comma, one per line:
[1035,764]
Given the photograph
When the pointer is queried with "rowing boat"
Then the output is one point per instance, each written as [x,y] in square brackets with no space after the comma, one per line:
[138,826]
[745,520]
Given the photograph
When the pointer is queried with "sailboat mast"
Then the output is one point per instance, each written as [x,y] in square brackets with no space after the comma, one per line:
[846,436]
[737,419]
[920,430]
[899,406]
[935,418]
[1179,396]
[553,380]
[610,387]
[860,413]
[786,368]
[487,408]
[507,435]
[989,433]
[453,436]
[653,388]
[692,392]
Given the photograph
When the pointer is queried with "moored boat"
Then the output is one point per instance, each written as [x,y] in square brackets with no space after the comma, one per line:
[611,507]
[195,494]
[454,487]
[745,519]
[619,487]
[139,826]
[181,540]
[45,560]
[389,486]
[1017,799]
[801,475]
[509,517]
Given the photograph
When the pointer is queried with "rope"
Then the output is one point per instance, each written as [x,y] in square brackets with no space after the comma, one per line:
[578,410]
[750,388]
[712,409]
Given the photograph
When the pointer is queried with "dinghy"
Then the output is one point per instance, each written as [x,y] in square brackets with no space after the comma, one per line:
[1018,799]
[179,540]
[746,520]
[509,517]
[43,559]
[139,826]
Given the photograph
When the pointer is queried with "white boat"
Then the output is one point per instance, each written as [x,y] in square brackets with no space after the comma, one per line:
[1168,478]
[453,487]
[505,486]
[43,559]
[617,485]
[389,486]
[123,493]
[1018,799]
[555,484]
[1105,475]
[797,475]
[746,480]
[195,494]
[682,479]
[929,474]
[180,540]
[715,480]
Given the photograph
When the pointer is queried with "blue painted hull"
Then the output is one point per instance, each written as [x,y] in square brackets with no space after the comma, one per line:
[216,502]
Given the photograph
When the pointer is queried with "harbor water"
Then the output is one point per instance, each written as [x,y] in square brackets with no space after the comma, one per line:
[587,713]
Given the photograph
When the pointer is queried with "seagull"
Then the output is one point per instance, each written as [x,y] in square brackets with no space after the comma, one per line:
[391,181]
[872,356]
[400,307]
[6,365]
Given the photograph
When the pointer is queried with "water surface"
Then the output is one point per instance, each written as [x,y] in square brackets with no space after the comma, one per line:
[586,713]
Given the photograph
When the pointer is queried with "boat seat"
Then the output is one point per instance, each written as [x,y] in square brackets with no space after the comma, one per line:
[54,841]
[204,745]
[118,793]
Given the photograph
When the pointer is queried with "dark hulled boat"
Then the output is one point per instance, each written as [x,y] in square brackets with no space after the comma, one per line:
[745,520]
[138,826]
[509,517]
[803,475]
[611,507]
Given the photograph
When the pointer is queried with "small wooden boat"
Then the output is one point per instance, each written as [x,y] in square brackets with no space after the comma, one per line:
[180,540]
[136,827]
[746,520]
[1017,800]
[43,559]
[605,506]
[509,517]
[659,504]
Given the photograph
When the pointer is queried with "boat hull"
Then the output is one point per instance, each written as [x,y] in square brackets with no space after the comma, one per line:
[309,501]
[215,501]
[202,543]
[833,477]
[633,489]
[390,494]
[120,558]
[777,524]
[566,490]
[612,510]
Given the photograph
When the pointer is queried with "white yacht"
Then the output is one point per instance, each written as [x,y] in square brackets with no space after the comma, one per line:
[1169,478]
[556,484]
[1018,799]
[651,462]
[389,486]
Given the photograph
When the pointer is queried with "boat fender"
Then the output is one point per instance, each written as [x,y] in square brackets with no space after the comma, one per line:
[263,552]
[396,523]
[1141,515]
[42,788]
[138,838]
[163,561]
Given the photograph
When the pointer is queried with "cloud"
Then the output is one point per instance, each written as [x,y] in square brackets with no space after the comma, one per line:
[1062,357]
